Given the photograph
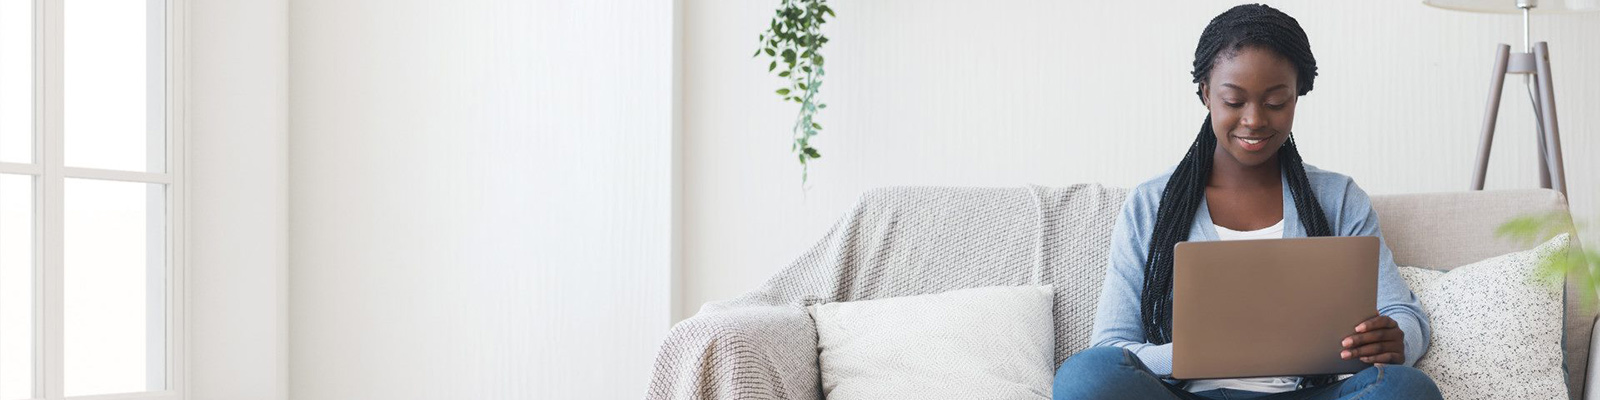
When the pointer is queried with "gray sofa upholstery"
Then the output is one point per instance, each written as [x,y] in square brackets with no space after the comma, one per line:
[907,241]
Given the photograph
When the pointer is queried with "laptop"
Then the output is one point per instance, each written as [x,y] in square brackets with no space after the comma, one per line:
[1272,307]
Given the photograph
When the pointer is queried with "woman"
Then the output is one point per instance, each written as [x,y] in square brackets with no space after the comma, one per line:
[1241,179]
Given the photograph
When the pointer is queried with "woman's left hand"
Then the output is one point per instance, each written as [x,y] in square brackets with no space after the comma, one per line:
[1377,341]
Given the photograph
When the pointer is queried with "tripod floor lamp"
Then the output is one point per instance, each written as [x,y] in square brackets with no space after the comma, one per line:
[1534,66]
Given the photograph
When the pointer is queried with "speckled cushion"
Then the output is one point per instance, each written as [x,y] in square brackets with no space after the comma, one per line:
[1496,327]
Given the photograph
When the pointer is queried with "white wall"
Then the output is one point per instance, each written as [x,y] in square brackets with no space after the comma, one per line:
[480,197]
[1005,93]
[237,139]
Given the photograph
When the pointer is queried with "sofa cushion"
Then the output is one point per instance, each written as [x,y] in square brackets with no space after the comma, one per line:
[991,343]
[1496,326]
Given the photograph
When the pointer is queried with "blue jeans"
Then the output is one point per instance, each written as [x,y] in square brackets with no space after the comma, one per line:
[1114,373]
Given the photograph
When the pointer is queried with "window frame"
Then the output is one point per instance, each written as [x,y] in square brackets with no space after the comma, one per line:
[50,174]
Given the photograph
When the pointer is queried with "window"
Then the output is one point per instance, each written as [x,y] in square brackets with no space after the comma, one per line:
[91,205]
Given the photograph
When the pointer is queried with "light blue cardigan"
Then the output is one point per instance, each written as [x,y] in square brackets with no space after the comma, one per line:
[1349,212]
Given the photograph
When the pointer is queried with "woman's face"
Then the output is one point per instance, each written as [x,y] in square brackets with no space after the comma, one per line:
[1251,96]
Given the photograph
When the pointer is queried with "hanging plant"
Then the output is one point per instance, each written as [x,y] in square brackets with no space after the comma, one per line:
[794,41]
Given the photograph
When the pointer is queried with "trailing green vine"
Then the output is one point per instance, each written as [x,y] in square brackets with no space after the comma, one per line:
[794,41]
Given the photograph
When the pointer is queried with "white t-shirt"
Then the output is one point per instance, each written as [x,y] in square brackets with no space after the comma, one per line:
[1260,385]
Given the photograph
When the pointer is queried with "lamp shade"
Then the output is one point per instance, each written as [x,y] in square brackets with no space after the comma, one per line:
[1510,6]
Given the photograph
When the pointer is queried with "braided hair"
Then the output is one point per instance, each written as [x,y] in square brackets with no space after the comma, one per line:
[1251,25]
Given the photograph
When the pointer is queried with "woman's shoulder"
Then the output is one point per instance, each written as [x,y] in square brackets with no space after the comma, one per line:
[1331,185]
[1342,200]
[1319,177]
[1150,190]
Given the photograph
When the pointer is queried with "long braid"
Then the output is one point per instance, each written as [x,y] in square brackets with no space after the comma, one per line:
[1252,25]
[1179,202]
[1310,210]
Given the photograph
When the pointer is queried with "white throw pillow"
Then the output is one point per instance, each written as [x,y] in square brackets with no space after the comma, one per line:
[1496,327]
[981,343]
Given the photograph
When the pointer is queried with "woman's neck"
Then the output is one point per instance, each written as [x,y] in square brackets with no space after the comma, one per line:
[1227,173]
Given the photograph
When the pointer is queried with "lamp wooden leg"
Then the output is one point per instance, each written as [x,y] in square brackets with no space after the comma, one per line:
[1497,84]
[1547,117]
[1539,151]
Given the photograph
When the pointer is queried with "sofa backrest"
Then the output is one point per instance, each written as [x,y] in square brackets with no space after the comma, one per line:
[905,241]
[1443,231]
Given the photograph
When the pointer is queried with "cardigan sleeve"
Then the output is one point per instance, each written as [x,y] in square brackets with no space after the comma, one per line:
[1117,319]
[1395,299]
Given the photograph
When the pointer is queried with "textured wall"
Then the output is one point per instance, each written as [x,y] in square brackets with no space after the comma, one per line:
[479,198]
[1010,92]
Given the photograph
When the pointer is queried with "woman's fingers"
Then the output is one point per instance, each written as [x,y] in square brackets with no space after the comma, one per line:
[1361,339]
[1377,340]
[1386,351]
[1376,323]
[1373,349]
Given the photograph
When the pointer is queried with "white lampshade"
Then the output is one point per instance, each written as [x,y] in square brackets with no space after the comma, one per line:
[1510,6]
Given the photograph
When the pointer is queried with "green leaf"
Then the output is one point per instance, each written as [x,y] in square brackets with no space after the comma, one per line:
[806,68]
[784,73]
[1536,228]
[758,53]
[802,86]
[816,125]
[783,92]
[819,105]
[770,52]
[828,10]
[812,152]
[772,66]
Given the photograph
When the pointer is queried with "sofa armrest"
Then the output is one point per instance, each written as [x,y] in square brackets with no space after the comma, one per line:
[767,352]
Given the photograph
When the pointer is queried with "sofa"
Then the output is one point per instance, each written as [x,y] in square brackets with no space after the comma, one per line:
[904,241]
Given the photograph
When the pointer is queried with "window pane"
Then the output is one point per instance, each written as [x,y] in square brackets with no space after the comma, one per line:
[114,84]
[16,81]
[114,287]
[16,287]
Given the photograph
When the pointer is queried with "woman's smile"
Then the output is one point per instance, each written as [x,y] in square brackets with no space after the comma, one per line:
[1253,143]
